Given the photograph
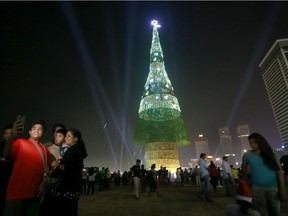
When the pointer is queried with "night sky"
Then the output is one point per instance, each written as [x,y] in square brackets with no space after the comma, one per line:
[85,64]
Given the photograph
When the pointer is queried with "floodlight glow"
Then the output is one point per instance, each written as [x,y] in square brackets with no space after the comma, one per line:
[155,24]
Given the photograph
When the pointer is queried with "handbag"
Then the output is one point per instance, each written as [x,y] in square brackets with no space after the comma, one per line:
[53,179]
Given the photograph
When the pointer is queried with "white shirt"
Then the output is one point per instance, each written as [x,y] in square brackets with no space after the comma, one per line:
[203,167]
[226,170]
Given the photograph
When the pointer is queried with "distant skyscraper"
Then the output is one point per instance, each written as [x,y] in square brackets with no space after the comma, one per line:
[226,144]
[243,132]
[201,145]
[225,140]
[274,67]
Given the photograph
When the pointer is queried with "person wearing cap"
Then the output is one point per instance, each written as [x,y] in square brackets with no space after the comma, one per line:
[136,174]
[243,207]
[29,167]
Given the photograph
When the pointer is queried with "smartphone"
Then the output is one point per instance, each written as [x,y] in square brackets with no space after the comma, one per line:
[21,119]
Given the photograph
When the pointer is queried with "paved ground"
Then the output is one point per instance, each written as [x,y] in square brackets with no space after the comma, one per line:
[172,202]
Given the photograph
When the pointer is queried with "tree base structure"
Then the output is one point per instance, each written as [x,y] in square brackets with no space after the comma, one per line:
[163,154]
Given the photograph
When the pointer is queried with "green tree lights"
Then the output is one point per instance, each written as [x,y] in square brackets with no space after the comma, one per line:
[159,115]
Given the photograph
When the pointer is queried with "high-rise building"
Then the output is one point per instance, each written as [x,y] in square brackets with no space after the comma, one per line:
[225,140]
[160,128]
[274,68]
[243,132]
[226,144]
[201,145]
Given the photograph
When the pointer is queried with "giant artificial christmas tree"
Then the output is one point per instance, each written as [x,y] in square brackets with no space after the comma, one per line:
[160,128]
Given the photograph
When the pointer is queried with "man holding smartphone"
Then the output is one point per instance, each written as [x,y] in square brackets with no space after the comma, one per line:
[29,167]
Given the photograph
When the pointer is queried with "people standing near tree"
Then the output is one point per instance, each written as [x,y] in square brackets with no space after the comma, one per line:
[227,177]
[30,160]
[143,179]
[284,164]
[220,177]
[101,176]
[107,179]
[178,177]
[165,175]
[152,179]
[136,174]
[169,176]
[124,178]
[204,178]
[197,174]
[117,178]
[266,176]
[235,174]
[213,172]
[84,181]
[182,176]
[91,180]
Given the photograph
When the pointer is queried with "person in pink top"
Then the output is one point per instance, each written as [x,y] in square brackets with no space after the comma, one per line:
[29,158]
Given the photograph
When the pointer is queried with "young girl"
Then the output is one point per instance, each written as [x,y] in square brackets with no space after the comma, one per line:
[266,176]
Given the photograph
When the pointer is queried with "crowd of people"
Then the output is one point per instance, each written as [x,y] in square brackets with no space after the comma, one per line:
[56,177]
[253,195]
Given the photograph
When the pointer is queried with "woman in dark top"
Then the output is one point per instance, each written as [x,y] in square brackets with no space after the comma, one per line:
[68,190]
[213,171]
